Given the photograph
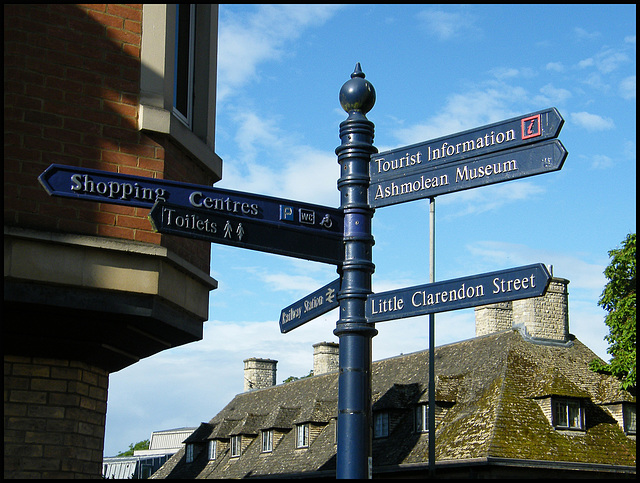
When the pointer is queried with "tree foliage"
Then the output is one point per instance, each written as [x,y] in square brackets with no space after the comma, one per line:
[619,299]
[133,447]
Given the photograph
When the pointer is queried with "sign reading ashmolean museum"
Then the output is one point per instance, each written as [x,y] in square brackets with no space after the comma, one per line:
[484,170]
[488,288]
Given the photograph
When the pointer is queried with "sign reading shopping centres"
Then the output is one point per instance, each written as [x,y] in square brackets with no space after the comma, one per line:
[107,187]
[488,288]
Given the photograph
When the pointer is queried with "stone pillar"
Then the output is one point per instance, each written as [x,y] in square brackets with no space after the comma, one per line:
[325,358]
[259,373]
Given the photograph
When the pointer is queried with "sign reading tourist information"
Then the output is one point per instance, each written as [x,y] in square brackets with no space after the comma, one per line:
[247,232]
[108,187]
[490,169]
[489,288]
[308,308]
[518,131]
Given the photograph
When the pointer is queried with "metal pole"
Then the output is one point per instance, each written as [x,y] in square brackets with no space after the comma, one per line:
[357,97]
[432,331]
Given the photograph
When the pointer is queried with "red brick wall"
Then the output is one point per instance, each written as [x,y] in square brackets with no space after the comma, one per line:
[54,417]
[72,76]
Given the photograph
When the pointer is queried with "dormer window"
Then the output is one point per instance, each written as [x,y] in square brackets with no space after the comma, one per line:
[236,445]
[302,435]
[567,414]
[381,424]
[267,441]
[629,415]
[189,452]
[212,449]
[422,418]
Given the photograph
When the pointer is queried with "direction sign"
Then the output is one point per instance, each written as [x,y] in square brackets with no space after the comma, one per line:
[518,131]
[107,187]
[308,308]
[484,170]
[244,232]
[489,288]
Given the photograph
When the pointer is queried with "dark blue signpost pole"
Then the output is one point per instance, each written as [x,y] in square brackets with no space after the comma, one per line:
[357,97]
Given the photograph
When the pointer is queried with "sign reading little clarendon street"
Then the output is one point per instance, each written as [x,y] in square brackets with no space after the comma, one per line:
[484,170]
[107,187]
[511,133]
[488,288]
[227,229]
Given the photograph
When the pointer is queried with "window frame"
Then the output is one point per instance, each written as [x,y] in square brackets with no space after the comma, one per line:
[188,452]
[267,441]
[181,64]
[629,418]
[212,449]
[421,418]
[302,435]
[563,417]
[381,424]
[157,80]
[236,446]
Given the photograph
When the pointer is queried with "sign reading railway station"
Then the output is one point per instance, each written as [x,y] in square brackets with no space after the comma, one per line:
[308,308]
[107,187]
[488,288]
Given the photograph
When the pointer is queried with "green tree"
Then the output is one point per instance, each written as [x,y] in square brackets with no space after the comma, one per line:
[133,447]
[619,299]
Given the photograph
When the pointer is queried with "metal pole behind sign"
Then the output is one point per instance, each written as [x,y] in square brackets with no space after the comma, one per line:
[432,323]
[357,97]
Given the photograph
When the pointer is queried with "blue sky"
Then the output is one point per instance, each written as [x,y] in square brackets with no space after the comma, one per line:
[437,70]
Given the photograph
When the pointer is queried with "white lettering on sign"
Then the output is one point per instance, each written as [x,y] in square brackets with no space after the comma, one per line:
[198,200]
[193,222]
[84,184]
[395,189]
[501,285]
[423,298]
[443,151]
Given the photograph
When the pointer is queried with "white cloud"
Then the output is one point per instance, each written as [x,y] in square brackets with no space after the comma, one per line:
[447,25]
[627,87]
[592,122]
[261,36]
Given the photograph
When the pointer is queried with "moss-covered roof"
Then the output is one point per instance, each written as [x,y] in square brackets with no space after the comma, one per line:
[489,388]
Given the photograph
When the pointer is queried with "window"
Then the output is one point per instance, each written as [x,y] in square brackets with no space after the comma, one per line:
[302,435]
[567,414]
[267,441]
[212,449]
[235,445]
[422,418]
[184,63]
[381,425]
[178,71]
[189,453]
[629,414]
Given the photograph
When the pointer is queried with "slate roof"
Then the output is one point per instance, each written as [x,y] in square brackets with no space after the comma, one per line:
[488,391]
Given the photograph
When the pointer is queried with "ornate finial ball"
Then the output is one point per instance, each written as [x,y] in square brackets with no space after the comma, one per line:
[357,94]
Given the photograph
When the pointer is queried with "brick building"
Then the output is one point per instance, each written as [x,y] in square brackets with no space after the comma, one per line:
[90,288]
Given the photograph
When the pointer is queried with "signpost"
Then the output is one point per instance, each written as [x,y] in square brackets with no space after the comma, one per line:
[107,187]
[308,308]
[244,232]
[480,171]
[512,149]
[488,288]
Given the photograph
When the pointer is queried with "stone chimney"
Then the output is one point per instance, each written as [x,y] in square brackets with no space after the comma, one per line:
[325,358]
[259,373]
[545,317]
